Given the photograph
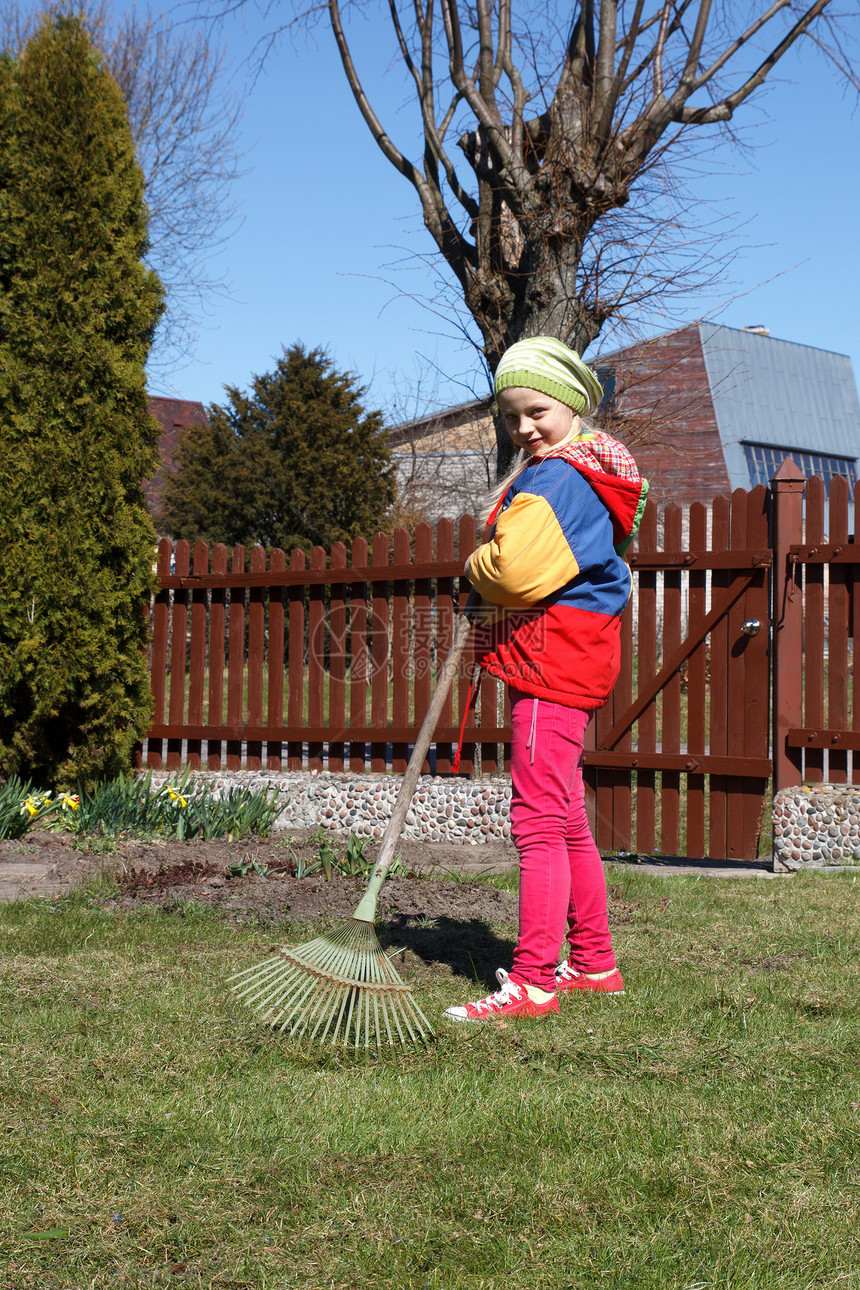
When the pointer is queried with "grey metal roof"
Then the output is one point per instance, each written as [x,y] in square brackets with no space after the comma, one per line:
[779,393]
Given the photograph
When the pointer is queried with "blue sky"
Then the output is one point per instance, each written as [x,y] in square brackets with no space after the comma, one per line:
[326,249]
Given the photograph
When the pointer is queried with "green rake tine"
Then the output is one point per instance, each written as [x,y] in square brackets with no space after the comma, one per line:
[363,1016]
[337,1031]
[262,979]
[272,1008]
[267,971]
[308,990]
[258,967]
[320,954]
[330,1032]
[385,1021]
[343,962]
[399,1018]
[329,1024]
[300,1018]
[394,1011]
[348,1023]
[356,1019]
[371,1018]
[366,1002]
[333,960]
[294,994]
[322,1012]
[426,1028]
[283,1003]
[272,984]
[389,974]
[376,1016]
[349,1017]
[318,1009]
[416,1034]
[340,1016]
[256,985]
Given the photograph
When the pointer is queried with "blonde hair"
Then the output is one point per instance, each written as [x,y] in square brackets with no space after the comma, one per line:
[578,426]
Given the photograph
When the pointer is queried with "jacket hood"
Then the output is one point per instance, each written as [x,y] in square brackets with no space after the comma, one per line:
[613,474]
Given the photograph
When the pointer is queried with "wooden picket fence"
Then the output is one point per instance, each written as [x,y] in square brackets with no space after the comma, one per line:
[330,663]
[816,703]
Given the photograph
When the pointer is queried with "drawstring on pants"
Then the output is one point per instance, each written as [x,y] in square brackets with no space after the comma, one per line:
[530,742]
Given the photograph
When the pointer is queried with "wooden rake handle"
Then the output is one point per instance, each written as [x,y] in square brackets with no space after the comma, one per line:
[413,771]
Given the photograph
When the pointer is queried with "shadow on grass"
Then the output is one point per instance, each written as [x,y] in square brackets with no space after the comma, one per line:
[470,947]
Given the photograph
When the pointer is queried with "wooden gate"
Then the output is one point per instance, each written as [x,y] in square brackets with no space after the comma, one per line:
[679,759]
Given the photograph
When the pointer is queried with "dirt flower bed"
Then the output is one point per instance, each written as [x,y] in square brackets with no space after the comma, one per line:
[257,877]
[440,912]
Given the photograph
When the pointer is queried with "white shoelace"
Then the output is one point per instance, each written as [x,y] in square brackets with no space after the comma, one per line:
[564,972]
[508,990]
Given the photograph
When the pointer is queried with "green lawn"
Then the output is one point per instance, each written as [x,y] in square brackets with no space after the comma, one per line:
[701,1133]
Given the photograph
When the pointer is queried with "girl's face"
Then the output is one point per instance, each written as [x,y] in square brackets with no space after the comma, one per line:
[535,421]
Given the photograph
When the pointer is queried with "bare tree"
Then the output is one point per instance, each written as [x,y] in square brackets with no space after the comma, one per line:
[184,117]
[555,153]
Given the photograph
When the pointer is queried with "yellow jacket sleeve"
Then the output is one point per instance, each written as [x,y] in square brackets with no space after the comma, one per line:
[527,558]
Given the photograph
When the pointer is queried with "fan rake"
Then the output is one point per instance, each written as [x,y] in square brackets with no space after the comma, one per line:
[342,987]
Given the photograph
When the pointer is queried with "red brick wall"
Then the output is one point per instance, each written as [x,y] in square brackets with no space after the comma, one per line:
[665,414]
[173,415]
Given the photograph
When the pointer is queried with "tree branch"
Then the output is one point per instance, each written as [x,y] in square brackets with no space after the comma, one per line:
[420,81]
[393,154]
[450,241]
[741,41]
[688,76]
[839,61]
[645,62]
[723,110]
[659,48]
[605,60]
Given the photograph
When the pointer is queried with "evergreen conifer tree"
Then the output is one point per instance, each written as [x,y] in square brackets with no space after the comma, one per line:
[295,462]
[77,313]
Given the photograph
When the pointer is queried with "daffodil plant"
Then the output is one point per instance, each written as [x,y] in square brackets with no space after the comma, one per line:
[134,805]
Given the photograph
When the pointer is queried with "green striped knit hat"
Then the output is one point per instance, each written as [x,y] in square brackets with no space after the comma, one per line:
[545,364]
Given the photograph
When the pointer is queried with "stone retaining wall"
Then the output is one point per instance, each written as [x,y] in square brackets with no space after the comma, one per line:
[817,828]
[813,828]
[442,810]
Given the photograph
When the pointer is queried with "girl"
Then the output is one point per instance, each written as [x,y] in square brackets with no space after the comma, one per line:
[552,572]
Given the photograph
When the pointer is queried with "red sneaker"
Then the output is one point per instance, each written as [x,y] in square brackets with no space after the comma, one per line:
[512,999]
[567,978]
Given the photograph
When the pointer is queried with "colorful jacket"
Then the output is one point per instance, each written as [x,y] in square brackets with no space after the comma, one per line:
[554,568]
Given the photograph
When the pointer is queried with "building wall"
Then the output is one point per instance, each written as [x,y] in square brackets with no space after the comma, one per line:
[174,416]
[445,464]
[665,414]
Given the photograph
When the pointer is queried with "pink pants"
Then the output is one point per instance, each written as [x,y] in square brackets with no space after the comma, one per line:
[562,883]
